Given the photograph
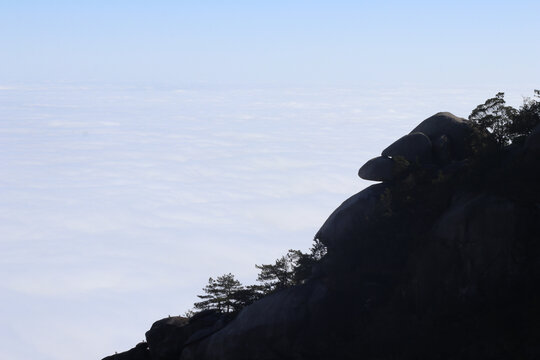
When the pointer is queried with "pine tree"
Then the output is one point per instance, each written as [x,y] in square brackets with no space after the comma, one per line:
[504,123]
[219,294]
[246,296]
[495,117]
[291,269]
[527,118]
[278,275]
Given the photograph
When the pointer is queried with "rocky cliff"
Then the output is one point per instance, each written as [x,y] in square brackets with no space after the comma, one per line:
[440,260]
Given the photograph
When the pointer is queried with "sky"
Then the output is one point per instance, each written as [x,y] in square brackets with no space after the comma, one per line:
[146,146]
[273,43]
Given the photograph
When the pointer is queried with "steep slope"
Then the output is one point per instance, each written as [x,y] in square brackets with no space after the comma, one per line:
[440,260]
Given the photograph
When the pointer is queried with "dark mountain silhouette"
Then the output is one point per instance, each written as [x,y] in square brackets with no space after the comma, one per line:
[441,260]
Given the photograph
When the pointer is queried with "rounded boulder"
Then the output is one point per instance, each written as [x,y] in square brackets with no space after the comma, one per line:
[455,128]
[351,217]
[414,147]
[380,169]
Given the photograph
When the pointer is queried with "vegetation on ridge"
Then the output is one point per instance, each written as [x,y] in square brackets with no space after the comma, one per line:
[225,294]
[497,122]
[505,123]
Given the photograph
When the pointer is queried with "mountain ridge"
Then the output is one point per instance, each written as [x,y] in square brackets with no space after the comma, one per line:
[441,259]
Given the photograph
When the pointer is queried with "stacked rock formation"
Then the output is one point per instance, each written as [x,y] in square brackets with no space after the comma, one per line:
[436,142]
[441,260]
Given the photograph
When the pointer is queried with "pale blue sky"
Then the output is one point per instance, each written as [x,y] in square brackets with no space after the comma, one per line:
[277,42]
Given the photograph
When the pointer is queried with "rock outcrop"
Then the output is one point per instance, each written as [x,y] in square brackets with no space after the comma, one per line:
[289,324]
[380,169]
[439,261]
[438,141]
[167,336]
[139,352]
[456,129]
[352,217]
[414,147]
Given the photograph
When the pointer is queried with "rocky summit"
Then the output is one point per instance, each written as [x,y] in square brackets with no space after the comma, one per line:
[440,260]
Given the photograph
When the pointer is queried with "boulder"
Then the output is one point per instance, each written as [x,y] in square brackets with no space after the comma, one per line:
[414,147]
[139,352]
[458,131]
[279,326]
[381,169]
[167,337]
[205,318]
[353,215]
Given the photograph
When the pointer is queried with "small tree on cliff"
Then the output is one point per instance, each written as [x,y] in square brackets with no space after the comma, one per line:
[494,116]
[527,117]
[290,269]
[278,275]
[504,123]
[246,296]
[220,294]
[303,266]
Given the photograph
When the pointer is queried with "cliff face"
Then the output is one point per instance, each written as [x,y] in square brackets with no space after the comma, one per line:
[440,260]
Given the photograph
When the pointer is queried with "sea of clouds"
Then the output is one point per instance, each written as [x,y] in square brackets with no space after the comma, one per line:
[118,202]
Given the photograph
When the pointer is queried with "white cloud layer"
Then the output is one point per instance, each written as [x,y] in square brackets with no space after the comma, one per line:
[118,203]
